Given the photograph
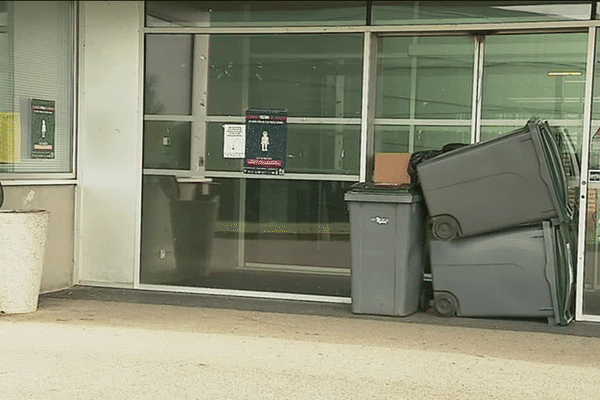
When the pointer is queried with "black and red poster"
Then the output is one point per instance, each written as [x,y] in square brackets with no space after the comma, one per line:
[266,142]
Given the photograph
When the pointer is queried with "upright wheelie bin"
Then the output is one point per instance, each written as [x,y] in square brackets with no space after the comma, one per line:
[388,242]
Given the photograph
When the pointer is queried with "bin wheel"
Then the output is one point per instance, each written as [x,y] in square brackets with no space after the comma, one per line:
[445,304]
[445,227]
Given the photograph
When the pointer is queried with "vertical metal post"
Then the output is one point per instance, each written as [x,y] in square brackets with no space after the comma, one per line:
[413,98]
[199,112]
[369,90]
[583,191]
[479,43]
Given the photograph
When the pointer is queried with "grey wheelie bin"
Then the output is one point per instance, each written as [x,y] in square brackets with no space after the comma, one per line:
[514,179]
[388,241]
[521,272]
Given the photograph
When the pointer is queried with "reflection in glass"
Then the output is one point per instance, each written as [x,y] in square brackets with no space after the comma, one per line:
[255,13]
[321,149]
[591,273]
[309,75]
[405,139]
[591,281]
[36,62]
[293,237]
[539,75]
[167,145]
[168,86]
[439,12]
[425,77]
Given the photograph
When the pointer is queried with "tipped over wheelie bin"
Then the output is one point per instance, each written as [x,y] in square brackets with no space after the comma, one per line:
[514,179]
[521,272]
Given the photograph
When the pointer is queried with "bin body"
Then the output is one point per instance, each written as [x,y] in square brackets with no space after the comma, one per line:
[193,223]
[524,272]
[514,179]
[388,239]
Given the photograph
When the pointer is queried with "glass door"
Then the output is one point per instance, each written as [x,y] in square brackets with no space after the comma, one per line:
[206,224]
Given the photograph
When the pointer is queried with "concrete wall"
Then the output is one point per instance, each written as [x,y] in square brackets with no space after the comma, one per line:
[60,201]
[110,141]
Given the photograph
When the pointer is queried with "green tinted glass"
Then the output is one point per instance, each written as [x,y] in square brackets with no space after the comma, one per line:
[167,145]
[409,139]
[534,76]
[309,75]
[291,237]
[168,85]
[425,77]
[454,12]
[255,13]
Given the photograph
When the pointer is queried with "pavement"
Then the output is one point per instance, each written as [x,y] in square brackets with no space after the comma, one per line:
[99,343]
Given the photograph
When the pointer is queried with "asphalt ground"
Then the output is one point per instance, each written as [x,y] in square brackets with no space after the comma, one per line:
[97,343]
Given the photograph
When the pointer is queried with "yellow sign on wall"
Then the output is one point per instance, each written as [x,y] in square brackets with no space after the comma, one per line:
[10,137]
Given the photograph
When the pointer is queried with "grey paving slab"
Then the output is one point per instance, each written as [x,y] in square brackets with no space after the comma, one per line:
[105,349]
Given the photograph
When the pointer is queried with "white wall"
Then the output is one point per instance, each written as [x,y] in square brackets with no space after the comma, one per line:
[110,141]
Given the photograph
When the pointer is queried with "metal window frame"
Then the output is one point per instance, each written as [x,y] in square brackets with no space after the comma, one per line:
[368,121]
[583,187]
[56,178]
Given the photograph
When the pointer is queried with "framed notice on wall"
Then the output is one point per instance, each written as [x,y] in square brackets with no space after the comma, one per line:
[43,123]
[10,137]
[266,142]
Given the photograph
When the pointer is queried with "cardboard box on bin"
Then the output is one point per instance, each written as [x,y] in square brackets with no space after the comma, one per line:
[391,169]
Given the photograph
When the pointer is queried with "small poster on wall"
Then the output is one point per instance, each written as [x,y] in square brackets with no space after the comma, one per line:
[234,141]
[266,142]
[42,128]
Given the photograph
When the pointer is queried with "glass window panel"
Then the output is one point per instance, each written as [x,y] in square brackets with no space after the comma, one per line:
[425,77]
[309,75]
[321,149]
[294,236]
[451,12]
[408,139]
[36,62]
[6,63]
[255,13]
[534,76]
[168,86]
[167,145]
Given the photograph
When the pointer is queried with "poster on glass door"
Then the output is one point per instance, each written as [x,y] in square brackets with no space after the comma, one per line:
[266,142]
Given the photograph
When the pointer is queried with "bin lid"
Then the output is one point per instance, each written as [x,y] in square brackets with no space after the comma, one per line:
[369,192]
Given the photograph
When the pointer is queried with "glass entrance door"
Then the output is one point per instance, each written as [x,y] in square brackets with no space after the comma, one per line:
[287,234]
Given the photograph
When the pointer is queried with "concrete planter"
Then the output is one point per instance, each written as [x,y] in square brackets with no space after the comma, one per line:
[22,243]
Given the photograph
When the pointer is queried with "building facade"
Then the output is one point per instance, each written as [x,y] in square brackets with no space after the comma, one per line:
[141,155]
